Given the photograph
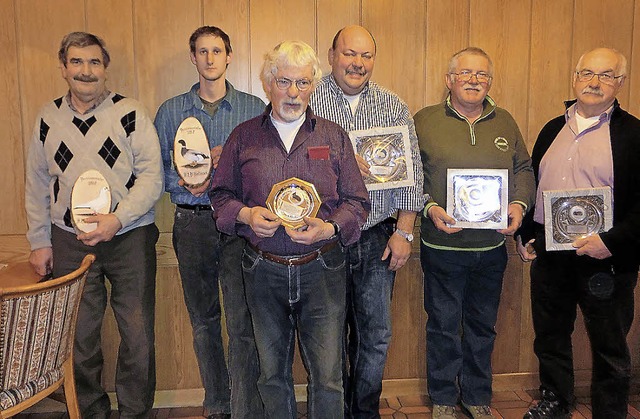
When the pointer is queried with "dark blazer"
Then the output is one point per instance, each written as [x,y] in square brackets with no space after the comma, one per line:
[623,240]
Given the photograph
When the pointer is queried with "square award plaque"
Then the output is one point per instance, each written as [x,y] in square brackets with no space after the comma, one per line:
[574,213]
[478,198]
[388,152]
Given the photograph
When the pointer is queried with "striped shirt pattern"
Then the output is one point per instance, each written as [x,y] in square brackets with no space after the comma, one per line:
[378,107]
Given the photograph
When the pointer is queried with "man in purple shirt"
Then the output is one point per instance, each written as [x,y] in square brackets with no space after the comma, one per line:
[294,278]
[594,144]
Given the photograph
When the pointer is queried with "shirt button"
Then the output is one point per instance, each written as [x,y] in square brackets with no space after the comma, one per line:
[564,178]
[569,159]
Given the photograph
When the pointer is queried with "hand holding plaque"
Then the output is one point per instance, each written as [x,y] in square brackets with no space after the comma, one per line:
[388,152]
[292,200]
[478,198]
[90,195]
[575,213]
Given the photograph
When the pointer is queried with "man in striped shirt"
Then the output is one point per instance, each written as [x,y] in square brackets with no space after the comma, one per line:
[349,98]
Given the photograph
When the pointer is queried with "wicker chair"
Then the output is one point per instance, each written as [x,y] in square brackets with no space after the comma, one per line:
[37,327]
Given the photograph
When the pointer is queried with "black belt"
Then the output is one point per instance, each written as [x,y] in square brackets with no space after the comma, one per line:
[196,208]
[295,260]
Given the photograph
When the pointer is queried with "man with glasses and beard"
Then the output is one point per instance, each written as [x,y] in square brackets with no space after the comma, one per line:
[594,144]
[294,277]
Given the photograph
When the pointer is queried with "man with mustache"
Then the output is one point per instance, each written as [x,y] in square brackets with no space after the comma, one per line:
[594,144]
[207,258]
[294,277]
[93,128]
[349,98]
[463,268]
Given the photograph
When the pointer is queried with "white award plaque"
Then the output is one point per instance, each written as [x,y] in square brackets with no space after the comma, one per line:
[90,195]
[388,152]
[191,154]
[575,213]
[478,198]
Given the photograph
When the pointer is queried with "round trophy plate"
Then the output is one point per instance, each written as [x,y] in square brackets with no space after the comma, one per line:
[292,200]
[90,195]
[386,160]
[575,217]
[191,153]
[477,199]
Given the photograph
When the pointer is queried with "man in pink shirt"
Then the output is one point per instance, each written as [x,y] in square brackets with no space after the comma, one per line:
[594,144]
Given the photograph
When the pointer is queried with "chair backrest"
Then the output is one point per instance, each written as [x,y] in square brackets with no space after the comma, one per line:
[37,328]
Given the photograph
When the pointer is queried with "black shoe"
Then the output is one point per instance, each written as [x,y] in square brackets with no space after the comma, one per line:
[219,416]
[549,407]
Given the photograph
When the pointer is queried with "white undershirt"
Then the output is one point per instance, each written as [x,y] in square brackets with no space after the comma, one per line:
[584,123]
[353,102]
[288,130]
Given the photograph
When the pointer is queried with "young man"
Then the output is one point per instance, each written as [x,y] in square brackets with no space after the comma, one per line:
[204,255]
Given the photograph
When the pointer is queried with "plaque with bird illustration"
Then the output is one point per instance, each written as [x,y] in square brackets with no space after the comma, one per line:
[191,153]
[292,200]
[90,195]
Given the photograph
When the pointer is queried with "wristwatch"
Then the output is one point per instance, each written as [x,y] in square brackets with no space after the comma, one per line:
[405,235]
[336,227]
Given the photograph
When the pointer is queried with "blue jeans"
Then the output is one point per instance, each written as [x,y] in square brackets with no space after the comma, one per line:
[128,261]
[197,244]
[461,298]
[308,300]
[369,291]
[244,369]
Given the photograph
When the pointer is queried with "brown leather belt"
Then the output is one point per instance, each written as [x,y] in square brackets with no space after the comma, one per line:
[295,260]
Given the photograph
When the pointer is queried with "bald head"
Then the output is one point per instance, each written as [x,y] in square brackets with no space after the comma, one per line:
[610,54]
[352,56]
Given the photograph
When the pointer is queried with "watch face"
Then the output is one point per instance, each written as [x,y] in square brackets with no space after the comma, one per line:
[410,237]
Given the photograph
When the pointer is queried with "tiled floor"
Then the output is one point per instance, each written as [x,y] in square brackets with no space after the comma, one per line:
[505,405]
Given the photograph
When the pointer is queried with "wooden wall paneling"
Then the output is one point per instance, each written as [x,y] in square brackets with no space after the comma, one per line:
[550,62]
[333,15]
[501,28]
[41,24]
[598,26]
[400,36]
[233,18]
[12,217]
[407,351]
[113,22]
[527,360]
[447,31]
[163,69]
[505,357]
[633,64]
[274,21]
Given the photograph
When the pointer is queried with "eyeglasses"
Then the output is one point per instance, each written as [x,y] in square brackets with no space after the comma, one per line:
[284,83]
[465,76]
[604,78]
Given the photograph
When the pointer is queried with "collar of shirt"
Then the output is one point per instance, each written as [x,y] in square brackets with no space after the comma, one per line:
[97,103]
[570,116]
[309,122]
[228,101]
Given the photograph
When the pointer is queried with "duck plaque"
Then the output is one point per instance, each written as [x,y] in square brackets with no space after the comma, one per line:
[191,153]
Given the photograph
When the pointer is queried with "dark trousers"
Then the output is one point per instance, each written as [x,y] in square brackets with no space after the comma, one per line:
[129,263]
[560,281]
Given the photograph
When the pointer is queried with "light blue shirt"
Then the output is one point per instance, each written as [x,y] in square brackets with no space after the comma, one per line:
[235,108]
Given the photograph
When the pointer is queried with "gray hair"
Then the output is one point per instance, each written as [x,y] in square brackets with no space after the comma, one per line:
[622,60]
[82,40]
[453,62]
[289,53]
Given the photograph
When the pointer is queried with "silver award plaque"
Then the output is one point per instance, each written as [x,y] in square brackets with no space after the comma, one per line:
[478,198]
[575,213]
[388,152]
[292,200]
